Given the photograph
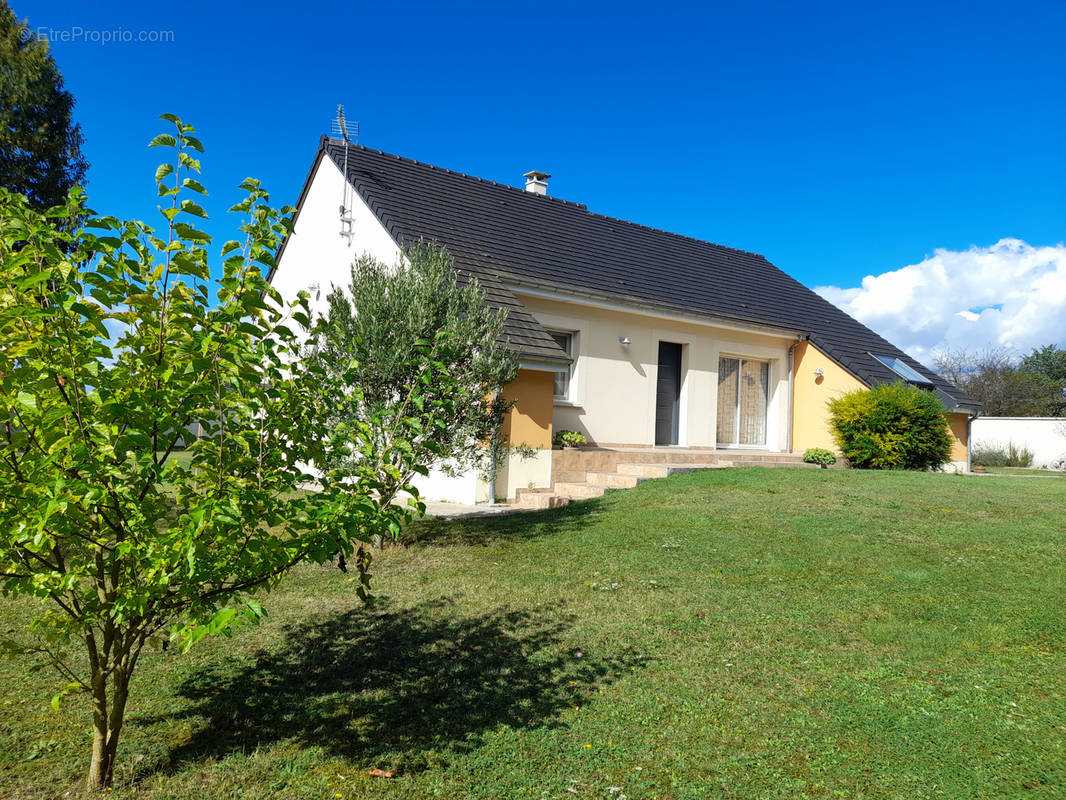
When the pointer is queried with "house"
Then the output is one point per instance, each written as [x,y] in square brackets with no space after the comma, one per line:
[635,337]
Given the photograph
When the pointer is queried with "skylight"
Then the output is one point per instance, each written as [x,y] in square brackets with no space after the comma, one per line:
[903,370]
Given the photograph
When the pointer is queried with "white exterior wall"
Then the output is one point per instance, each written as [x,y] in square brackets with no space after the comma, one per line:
[516,472]
[317,257]
[1045,436]
[614,384]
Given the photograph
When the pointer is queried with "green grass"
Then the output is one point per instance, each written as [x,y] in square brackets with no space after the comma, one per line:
[182,457]
[737,633]
[1024,471]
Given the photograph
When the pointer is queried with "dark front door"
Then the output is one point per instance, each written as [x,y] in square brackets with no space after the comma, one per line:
[667,393]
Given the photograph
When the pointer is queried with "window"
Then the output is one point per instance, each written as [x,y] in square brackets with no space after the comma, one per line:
[906,372]
[564,374]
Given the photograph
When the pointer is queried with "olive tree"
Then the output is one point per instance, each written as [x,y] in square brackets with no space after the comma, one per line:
[112,351]
[382,327]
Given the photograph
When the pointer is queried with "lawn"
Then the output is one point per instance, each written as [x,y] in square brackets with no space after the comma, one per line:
[737,633]
[1047,473]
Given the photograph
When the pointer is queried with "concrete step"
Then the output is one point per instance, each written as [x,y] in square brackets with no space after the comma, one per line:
[663,470]
[521,490]
[539,501]
[747,462]
[678,457]
[569,475]
[749,455]
[612,480]
[578,491]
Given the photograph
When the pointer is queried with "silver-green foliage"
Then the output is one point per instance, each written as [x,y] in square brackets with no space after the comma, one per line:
[386,328]
[996,455]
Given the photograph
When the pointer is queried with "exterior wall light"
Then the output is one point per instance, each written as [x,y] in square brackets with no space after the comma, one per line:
[819,372]
[624,341]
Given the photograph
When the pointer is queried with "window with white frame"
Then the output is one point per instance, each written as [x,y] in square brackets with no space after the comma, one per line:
[564,375]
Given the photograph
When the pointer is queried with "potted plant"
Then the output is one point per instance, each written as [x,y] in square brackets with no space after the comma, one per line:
[568,440]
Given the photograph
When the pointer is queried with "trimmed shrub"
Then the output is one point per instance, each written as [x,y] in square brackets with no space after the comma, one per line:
[820,456]
[891,426]
[995,455]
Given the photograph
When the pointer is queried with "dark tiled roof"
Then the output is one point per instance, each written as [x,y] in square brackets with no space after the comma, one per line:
[510,237]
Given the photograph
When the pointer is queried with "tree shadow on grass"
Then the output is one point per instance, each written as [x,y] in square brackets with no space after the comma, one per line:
[402,688]
[495,527]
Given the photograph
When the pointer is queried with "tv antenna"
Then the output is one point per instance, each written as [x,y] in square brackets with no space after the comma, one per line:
[340,129]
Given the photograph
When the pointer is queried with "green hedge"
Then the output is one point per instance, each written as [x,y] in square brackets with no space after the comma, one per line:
[891,426]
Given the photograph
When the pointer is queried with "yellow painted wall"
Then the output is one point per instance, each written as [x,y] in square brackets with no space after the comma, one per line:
[810,393]
[957,422]
[810,427]
[530,420]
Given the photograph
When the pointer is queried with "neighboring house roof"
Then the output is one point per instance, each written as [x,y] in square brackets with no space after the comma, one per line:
[508,237]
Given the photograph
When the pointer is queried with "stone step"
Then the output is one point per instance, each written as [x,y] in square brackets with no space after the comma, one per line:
[678,457]
[746,455]
[569,475]
[663,470]
[539,501]
[522,490]
[747,462]
[578,491]
[613,480]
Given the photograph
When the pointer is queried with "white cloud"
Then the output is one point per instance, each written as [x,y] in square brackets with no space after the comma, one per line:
[1010,294]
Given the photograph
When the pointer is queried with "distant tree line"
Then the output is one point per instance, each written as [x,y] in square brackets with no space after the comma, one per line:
[1034,386]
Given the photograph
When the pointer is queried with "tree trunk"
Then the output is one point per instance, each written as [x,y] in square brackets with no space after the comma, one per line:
[106,726]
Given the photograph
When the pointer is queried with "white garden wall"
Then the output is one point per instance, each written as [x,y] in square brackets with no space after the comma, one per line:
[1044,436]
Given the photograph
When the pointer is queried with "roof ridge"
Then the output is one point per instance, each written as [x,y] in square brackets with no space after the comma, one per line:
[466,175]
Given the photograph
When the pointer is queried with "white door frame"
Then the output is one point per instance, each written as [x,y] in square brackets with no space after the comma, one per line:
[735,444]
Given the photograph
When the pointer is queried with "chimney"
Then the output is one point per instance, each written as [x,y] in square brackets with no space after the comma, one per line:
[537,182]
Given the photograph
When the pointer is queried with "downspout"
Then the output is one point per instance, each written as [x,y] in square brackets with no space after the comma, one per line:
[791,369]
[969,441]
[492,456]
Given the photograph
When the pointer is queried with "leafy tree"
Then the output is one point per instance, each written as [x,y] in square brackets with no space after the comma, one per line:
[891,426]
[376,325]
[994,378]
[1048,361]
[40,145]
[110,349]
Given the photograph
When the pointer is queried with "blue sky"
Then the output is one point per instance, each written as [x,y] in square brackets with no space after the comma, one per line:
[840,140]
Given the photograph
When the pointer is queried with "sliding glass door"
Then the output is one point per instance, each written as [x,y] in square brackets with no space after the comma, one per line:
[743,396]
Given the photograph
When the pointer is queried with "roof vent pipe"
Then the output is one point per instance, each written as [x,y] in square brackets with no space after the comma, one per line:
[537,182]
